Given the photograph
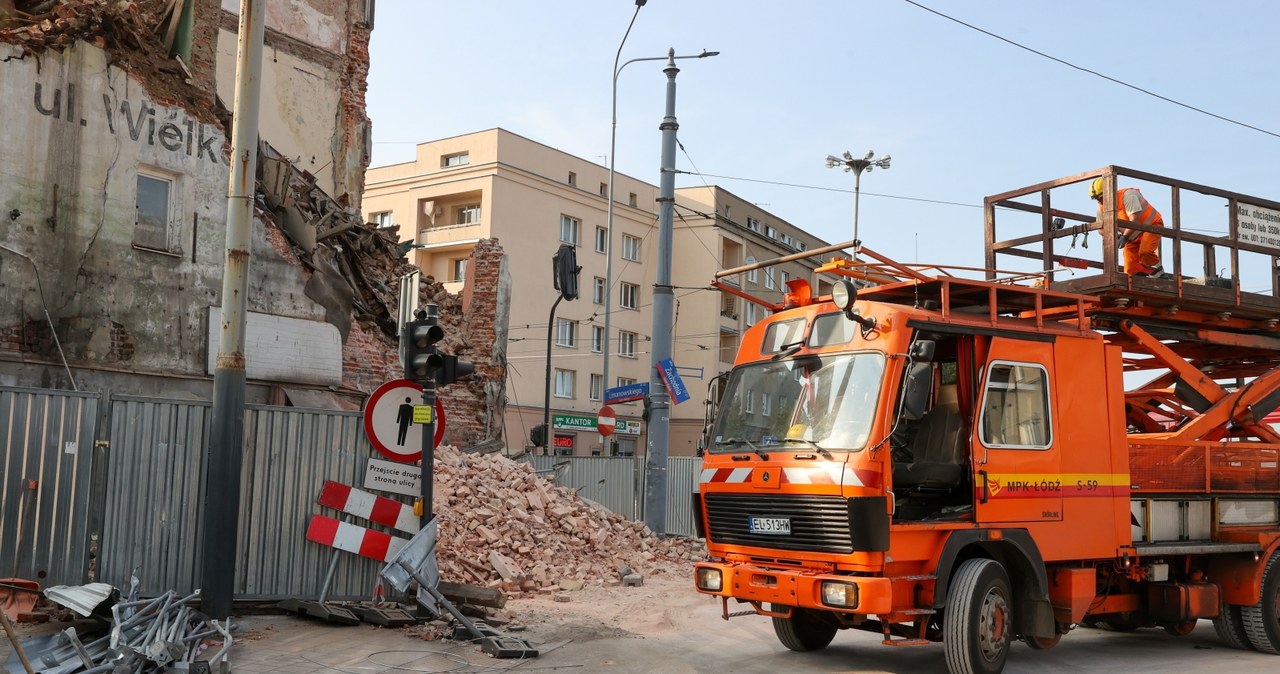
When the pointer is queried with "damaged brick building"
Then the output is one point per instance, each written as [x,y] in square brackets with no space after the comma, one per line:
[113,182]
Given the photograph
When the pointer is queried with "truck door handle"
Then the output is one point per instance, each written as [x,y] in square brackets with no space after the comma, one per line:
[986,489]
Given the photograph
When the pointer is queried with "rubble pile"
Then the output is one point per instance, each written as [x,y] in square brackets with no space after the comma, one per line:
[502,525]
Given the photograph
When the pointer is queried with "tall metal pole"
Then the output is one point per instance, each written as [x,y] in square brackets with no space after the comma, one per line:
[608,246]
[857,189]
[429,435]
[226,441]
[546,398]
[655,506]
[613,144]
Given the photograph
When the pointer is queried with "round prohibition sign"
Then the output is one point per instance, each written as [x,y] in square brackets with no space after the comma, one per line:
[389,424]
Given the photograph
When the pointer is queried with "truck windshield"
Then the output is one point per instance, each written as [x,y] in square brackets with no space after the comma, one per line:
[811,402]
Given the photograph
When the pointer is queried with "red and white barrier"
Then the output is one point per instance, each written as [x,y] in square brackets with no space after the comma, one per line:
[376,509]
[353,538]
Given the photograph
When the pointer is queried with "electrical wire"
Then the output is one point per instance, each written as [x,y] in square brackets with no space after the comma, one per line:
[827,189]
[1093,72]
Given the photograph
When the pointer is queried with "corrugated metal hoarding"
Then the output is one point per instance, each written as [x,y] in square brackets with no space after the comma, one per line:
[46,476]
[153,506]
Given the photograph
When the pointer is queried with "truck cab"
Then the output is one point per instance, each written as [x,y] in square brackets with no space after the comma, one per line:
[935,458]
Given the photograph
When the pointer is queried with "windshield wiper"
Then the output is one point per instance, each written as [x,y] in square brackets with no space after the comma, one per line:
[744,441]
[786,350]
[821,450]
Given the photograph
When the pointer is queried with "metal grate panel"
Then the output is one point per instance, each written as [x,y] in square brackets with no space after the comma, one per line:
[818,523]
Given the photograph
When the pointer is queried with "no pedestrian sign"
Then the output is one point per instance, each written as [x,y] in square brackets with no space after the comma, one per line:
[394,418]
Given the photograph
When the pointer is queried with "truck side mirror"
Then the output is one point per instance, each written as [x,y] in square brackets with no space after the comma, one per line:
[916,386]
[922,350]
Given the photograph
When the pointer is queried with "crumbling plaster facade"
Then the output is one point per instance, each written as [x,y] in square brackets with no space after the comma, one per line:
[313,85]
[130,307]
[120,297]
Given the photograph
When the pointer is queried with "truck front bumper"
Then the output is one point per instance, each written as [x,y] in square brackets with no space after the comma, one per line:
[795,587]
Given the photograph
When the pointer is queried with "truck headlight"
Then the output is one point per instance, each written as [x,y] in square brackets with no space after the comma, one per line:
[835,593]
[709,579]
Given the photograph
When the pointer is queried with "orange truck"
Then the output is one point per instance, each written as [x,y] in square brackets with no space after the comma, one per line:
[975,461]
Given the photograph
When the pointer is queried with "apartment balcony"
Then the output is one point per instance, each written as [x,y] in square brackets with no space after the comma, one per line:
[452,234]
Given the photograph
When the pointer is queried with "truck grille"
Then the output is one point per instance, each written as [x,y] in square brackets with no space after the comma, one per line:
[818,523]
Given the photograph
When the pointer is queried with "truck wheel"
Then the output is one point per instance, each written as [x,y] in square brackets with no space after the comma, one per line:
[1230,628]
[978,624]
[1262,620]
[805,630]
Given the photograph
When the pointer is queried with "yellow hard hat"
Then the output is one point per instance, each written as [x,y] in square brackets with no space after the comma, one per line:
[1095,189]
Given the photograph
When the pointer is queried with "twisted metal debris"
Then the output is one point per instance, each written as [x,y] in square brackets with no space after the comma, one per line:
[149,635]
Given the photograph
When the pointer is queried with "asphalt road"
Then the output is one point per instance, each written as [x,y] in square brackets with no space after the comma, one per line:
[663,630]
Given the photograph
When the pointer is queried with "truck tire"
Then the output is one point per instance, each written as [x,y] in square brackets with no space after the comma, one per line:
[1230,628]
[978,623]
[805,630]
[1262,620]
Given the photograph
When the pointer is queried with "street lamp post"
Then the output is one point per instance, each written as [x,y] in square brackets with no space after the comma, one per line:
[608,247]
[857,166]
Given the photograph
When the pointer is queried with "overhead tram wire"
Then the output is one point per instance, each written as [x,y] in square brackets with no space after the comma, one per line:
[1094,72]
[832,189]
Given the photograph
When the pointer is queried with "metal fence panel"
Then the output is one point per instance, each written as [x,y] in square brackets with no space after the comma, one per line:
[682,483]
[155,494]
[614,482]
[155,486]
[289,453]
[46,475]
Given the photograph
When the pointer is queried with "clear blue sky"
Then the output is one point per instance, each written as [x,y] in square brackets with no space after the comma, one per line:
[963,114]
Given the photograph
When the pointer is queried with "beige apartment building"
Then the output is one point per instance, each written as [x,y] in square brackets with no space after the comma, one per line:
[533,198]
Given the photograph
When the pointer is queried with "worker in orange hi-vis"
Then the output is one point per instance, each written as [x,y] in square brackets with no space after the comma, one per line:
[1141,249]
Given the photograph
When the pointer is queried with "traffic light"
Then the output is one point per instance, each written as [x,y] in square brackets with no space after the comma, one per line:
[538,435]
[564,268]
[452,369]
[421,358]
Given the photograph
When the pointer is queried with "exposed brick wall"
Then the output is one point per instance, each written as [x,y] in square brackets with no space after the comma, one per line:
[204,45]
[368,360]
[355,124]
[475,406]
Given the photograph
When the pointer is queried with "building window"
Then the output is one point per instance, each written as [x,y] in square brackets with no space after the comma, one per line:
[752,276]
[459,269]
[800,245]
[597,338]
[467,215]
[602,240]
[728,212]
[630,248]
[630,296]
[573,179]
[770,232]
[566,332]
[569,229]
[753,313]
[783,278]
[154,209]
[604,190]
[768,278]
[459,159]
[383,219]
[626,381]
[749,406]
[753,224]
[564,383]
[597,290]
[631,200]
[766,406]
[627,344]
[597,386]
